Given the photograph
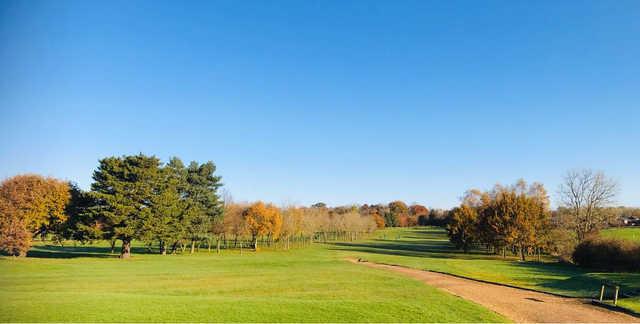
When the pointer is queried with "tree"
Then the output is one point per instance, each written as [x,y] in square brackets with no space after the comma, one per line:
[292,218]
[515,216]
[585,193]
[203,203]
[167,224]
[398,214]
[462,228]
[437,217]
[518,216]
[30,204]
[123,190]
[374,211]
[15,240]
[82,225]
[319,205]
[262,219]
[415,212]
[234,221]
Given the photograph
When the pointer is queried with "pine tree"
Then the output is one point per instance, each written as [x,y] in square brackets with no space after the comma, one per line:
[203,205]
[123,189]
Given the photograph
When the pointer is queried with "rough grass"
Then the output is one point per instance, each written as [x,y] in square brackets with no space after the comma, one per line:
[428,248]
[86,284]
[627,233]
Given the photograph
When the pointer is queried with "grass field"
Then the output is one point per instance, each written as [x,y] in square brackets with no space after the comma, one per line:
[627,233]
[428,248]
[306,285]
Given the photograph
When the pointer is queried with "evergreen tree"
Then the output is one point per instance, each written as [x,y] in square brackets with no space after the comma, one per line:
[123,189]
[203,205]
[166,225]
[82,225]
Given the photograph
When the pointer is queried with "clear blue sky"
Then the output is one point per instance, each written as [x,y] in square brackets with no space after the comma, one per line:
[334,101]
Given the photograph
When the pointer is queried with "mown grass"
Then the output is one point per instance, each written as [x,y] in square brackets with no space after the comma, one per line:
[626,233]
[428,248]
[86,284]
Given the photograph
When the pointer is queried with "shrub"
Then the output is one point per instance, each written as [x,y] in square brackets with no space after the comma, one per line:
[608,254]
[561,243]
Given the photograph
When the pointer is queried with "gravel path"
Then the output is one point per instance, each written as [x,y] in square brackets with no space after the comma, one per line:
[518,305]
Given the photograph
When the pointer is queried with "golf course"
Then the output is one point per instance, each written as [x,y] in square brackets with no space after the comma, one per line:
[85,283]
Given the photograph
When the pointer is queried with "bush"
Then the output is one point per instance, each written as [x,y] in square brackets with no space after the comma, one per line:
[561,243]
[608,254]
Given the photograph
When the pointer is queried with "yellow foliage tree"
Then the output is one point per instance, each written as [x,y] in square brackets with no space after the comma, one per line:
[33,203]
[262,219]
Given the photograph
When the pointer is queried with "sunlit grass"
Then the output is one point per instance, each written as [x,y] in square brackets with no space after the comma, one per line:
[627,233]
[428,248]
[85,284]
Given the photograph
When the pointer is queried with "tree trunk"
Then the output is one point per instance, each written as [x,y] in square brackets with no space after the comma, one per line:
[163,248]
[113,246]
[255,243]
[125,253]
[218,245]
[193,246]
[522,254]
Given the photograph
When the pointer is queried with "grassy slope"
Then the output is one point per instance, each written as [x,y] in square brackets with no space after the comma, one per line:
[627,233]
[308,285]
[428,248]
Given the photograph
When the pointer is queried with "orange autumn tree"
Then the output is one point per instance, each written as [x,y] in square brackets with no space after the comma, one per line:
[262,219]
[29,205]
[416,212]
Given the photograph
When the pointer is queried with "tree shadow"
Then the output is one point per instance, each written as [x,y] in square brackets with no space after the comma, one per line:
[578,282]
[555,276]
[420,241]
[79,251]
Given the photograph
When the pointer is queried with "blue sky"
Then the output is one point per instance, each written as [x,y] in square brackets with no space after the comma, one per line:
[334,101]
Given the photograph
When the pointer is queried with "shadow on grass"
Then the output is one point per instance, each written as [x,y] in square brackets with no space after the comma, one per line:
[81,251]
[556,276]
[420,242]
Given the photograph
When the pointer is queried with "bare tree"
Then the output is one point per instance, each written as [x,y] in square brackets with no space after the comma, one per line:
[584,193]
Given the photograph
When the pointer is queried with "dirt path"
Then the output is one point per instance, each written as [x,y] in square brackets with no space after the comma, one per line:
[516,304]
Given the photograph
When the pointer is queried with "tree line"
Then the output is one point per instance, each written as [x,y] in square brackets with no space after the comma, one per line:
[131,198]
[518,219]
[399,214]
[514,218]
[169,206]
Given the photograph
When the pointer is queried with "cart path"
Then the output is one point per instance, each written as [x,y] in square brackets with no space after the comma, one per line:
[519,305]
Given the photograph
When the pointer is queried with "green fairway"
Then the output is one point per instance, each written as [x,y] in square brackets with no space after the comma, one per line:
[314,284]
[627,233]
[306,285]
[428,248]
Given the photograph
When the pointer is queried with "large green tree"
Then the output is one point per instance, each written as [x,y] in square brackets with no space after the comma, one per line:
[123,190]
[82,225]
[167,224]
[203,205]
